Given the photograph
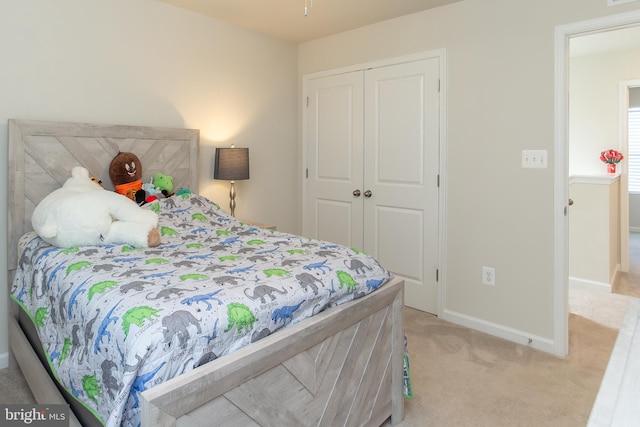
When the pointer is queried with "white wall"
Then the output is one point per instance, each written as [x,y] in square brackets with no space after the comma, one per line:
[595,106]
[146,63]
[500,101]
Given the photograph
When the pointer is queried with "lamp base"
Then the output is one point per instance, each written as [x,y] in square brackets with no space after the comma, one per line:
[232,196]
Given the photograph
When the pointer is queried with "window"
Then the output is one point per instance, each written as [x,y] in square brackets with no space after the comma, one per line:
[633,159]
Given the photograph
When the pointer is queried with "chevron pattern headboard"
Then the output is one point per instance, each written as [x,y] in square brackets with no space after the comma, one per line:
[42,154]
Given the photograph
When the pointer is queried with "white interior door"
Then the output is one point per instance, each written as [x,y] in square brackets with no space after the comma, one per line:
[334,159]
[401,157]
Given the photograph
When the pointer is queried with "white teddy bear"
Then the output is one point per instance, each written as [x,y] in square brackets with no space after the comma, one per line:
[82,213]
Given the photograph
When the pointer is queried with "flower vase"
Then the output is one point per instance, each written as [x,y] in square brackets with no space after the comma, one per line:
[611,167]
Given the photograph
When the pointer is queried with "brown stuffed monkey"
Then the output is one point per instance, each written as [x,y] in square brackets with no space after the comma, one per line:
[125,172]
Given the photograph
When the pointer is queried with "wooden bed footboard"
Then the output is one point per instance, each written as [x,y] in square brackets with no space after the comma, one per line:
[341,367]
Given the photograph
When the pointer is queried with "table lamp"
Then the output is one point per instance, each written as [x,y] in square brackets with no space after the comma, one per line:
[231,164]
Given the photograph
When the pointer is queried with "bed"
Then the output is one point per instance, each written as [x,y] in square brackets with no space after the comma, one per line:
[340,363]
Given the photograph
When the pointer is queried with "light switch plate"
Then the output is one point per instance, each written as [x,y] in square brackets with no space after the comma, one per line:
[534,159]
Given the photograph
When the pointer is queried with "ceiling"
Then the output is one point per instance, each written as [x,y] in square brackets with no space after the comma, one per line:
[286,20]
[606,41]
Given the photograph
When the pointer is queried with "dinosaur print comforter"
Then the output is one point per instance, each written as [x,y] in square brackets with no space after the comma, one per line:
[117,320]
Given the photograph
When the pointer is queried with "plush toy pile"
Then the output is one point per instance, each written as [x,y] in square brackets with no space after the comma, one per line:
[81,212]
[160,186]
[125,172]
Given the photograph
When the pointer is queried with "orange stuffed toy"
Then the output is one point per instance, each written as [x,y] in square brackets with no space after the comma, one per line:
[125,172]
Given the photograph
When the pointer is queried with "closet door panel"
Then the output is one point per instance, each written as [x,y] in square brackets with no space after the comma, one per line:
[334,159]
[333,222]
[401,229]
[401,143]
[398,135]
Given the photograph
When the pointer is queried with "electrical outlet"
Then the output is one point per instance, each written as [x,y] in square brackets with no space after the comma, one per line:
[488,276]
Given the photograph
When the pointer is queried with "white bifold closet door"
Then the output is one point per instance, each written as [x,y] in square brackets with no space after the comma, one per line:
[372,179]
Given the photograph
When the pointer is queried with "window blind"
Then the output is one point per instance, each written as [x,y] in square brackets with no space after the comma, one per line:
[633,157]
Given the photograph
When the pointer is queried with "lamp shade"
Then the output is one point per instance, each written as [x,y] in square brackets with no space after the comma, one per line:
[231,164]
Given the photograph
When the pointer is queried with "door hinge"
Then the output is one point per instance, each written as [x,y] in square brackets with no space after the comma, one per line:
[438,85]
[437,274]
[307,101]
[307,173]
[438,181]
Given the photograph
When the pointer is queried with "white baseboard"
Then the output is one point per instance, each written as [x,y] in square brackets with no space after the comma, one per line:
[4,360]
[578,281]
[500,331]
[614,276]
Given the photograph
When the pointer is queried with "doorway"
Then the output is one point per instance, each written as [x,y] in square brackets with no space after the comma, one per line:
[599,238]
[563,35]
[628,279]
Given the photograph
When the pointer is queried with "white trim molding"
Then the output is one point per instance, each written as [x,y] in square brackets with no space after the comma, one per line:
[618,2]
[576,281]
[602,179]
[500,331]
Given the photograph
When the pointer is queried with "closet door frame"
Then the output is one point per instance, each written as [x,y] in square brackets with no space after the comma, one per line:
[442,194]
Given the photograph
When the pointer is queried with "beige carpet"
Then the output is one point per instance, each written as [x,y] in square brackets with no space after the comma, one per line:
[13,388]
[466,378]
[597,303]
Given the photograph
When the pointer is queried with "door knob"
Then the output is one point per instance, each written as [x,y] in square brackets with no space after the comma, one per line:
[356,193]
[367,193]
[570,202]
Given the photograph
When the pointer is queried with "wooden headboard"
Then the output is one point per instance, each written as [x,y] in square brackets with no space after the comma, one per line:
[42,154]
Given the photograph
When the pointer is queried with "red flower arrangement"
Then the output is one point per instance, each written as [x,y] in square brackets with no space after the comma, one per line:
[611,156]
